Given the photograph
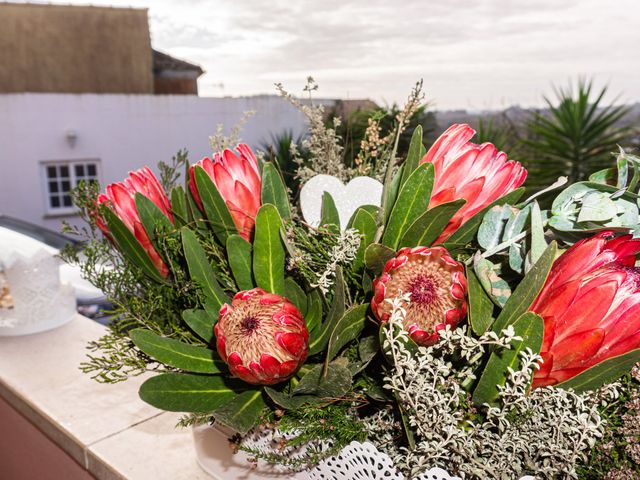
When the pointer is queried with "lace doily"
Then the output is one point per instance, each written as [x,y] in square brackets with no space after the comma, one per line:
[363,461]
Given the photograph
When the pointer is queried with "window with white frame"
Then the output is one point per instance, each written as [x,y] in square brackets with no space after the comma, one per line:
[61,177]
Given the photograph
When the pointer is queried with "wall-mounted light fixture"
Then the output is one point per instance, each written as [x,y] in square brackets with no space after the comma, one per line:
[72,137]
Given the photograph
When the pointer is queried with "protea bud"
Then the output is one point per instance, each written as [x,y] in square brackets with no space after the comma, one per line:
[262,337]
[590,304]
[437,286]
[479,174]
[236,175]
[120,197]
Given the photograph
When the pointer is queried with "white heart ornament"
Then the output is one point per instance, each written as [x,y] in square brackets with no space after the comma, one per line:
[358,192]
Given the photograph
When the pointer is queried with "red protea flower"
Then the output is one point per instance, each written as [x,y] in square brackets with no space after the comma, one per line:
[262,337]
[437,286]
[590,304]
[237,178]
[120,197]
[479,174]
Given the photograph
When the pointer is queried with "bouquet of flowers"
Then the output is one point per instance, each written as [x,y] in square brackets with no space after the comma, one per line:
[444,319]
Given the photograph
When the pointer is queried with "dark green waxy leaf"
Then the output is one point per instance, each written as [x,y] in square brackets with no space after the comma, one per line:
[414,155]
[201,322]
[468,229]
[413,200]
[201,272]
[333,384]
[603,373]
[319,342]
[367,349]
[428,226]
[530,327]
[329,216]
[152,218]
[268,251]
[243,412]
[179,206]
[239,255]
[182,392]
[346,329]
[366,225]
[480,305]
[527,291]
[370,209]
[174,353]
[274,190]
[220,219]
[313,318]
[290,402]
[390,193]
[130,247]
[367,283]
[376,256]
[296,295]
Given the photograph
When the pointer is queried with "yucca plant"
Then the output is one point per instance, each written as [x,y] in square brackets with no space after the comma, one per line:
[573,137]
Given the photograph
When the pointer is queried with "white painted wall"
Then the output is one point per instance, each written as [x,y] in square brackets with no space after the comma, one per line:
[124,131]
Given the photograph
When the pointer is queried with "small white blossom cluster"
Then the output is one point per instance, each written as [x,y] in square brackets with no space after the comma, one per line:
[344,252]
[546,431]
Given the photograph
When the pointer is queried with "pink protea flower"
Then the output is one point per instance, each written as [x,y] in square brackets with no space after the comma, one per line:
[237,178]
[437,286]
[120,197]
[479,174]
[262,337]
[590,304]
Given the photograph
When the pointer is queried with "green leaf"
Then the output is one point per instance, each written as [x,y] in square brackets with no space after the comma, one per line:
[201,272]
[367,349]
[314,313]
[527,291]
[530,327]
[329,216]
[268,251]
[335,383]
[376,256]
[151,217]
[174,353]
[182,392]
[130,247]
[296,295]
[492,226]
[488,274]
[366,225]
[604,372]
[336,310]
[289,402]
[239,255]
[243,412]
[468,229]
[346,329]
[428,226]
[480,305]
[179,206]
[413,155]
[538,243]
[274,190]
[390,194]
[220,219]
[412,202]
[201,322]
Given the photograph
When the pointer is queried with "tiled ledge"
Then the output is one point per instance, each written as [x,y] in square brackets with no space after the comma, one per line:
[106,429]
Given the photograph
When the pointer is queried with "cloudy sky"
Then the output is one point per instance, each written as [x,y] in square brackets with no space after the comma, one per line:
[482,54]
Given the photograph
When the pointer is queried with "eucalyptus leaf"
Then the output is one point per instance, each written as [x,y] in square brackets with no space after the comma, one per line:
[493,225]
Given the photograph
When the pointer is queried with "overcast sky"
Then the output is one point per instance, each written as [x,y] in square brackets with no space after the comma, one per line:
[471,54]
